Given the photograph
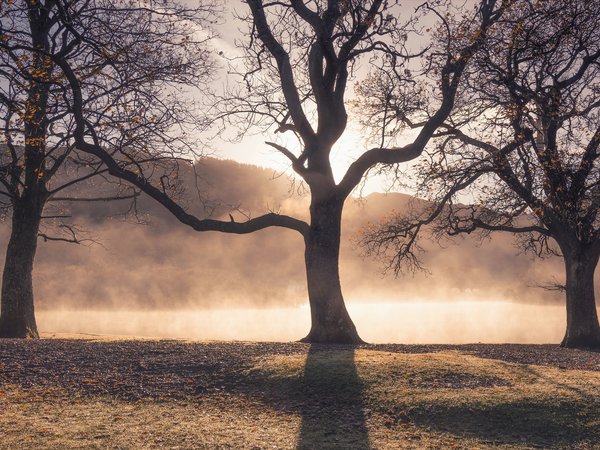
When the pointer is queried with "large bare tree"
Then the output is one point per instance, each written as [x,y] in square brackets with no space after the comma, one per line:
[157,46]
[522,147]
[300,57]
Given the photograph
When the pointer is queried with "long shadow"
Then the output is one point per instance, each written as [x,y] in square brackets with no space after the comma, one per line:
[529,419]
[333,411]
[524,422]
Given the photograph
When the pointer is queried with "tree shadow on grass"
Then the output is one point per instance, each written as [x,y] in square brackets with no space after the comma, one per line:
[565,416]
[332,409]
[567,423]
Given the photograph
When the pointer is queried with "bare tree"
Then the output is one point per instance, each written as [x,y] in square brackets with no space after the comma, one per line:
[161,48]
[299,59]
[523,147]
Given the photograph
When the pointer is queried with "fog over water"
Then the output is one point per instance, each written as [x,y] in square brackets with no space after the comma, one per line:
[406,323]
[163,279]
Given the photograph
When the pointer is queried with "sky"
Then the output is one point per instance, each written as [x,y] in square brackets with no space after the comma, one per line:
[252,149]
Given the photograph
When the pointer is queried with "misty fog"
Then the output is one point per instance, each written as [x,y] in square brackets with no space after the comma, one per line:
[454,322]
[161,265]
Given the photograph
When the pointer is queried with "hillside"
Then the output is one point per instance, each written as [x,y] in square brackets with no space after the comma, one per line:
[163,264]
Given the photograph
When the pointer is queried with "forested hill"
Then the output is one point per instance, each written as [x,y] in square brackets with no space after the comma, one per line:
[161,263]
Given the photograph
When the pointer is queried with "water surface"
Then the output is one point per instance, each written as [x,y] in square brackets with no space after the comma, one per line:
[406,322]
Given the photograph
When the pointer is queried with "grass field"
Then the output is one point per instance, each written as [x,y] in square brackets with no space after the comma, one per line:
[175,394]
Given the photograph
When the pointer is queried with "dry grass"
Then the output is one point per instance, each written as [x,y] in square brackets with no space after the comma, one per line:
[434,400]
[320,398]
[61,420]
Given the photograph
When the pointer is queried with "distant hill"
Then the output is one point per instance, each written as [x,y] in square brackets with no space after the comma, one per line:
[163,264]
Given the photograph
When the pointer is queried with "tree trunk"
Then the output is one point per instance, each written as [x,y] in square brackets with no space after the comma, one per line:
[17,318]
[330,321]
[583,330]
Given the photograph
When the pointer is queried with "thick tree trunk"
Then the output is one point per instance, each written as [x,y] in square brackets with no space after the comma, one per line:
[583,330]
[17,318]
[330,321]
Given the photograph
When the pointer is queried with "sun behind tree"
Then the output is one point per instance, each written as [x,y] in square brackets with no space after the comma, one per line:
[299,57]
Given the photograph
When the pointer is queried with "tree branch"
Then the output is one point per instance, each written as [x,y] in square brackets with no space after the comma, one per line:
[95,199]
[451,74]
[114,169]
[286,73]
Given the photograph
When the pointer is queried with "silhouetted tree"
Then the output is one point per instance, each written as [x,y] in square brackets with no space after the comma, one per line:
[161,48]
[299,58]
[522,151]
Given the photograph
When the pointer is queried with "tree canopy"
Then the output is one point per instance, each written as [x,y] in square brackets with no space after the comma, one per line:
[520,152]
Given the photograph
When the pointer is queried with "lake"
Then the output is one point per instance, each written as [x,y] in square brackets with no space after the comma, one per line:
[400,322]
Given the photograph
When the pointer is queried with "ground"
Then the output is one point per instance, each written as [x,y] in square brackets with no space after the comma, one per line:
[111,393]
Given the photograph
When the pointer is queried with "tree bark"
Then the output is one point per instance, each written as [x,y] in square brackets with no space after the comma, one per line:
[330,321]
[17,316]
[583,329]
